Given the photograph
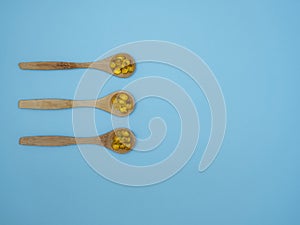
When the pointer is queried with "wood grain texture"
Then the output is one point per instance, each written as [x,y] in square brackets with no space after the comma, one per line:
[47,141]
[52,65]
[45,104]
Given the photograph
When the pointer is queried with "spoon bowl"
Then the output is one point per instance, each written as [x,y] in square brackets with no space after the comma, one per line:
[121,103]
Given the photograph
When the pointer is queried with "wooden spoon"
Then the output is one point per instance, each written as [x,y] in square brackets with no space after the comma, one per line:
[109,103]
[108,140]
[120,65]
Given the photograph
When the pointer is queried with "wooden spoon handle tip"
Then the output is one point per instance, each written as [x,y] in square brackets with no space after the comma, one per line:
[55,104]
[45,104]
[58,140]
[47,141]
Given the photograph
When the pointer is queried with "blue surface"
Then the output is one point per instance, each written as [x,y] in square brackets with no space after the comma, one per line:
[253,49]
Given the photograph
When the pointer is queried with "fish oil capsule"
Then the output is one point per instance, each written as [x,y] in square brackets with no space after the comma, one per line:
[125,133]
[121,57]
[128,145]
[121,101]
[125,70]
[117,71]
[123,109]
[115,146]
[112,65]
[123,97]
[126,62]
[130,68]
[118,62]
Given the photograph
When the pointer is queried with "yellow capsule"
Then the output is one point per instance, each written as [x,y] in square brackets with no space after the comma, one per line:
[112,65]
[123,97]
[115,146]
[125,133]
[122,140]
[121,101]
[128,145]
[126,62]
[123,109]
[125,70]
[118,62]
[117,71]
[131,68]
[122,146]
[121,57]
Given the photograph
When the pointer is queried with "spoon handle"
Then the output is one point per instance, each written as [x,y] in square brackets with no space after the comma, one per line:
[52,65]
[55,103]
[58,140]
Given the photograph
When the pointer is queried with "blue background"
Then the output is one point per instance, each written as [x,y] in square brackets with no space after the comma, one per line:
[251,46]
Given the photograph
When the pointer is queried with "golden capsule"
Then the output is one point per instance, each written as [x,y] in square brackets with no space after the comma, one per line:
[123,97]
[125,70]
[127,139]
[125,133]
[118,62]
[123,109]
[131,68]
[121,57]
[117,71]
[128,145]
[126,62]
[122,102]
[112,65]
[124,139]
[115,146]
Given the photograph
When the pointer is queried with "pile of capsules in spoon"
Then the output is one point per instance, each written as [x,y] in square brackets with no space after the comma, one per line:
[122,103]
[120,64]
[122,140]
